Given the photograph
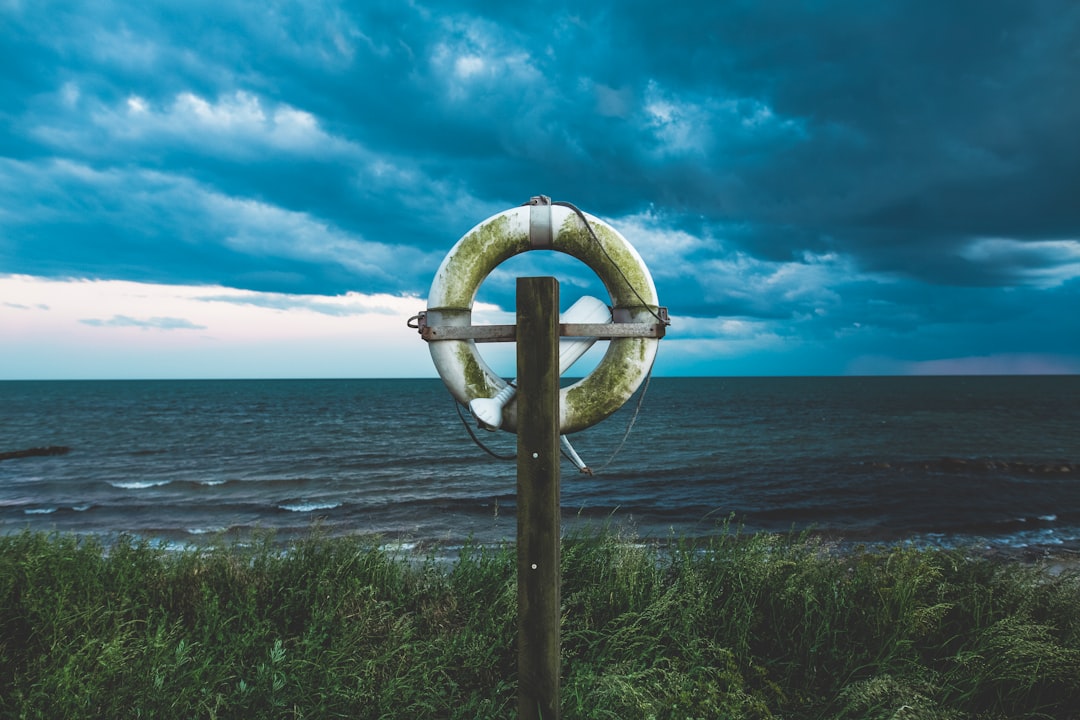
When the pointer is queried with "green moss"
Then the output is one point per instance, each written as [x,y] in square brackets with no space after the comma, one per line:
[612,260]
[609,386]
[483,249]
[626,280]
[476,380]
[476,255]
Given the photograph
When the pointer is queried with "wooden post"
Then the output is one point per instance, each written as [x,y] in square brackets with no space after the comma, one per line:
[538,532]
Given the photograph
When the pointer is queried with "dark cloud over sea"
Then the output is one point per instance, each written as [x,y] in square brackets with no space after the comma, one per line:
[818,187]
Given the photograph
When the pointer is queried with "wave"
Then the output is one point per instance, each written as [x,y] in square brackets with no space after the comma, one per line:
[40,506]
[982,465]
[262,483]
[1008,526]
[137,484]
[308,506]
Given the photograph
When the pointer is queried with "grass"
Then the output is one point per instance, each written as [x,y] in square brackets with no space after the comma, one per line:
[756,626]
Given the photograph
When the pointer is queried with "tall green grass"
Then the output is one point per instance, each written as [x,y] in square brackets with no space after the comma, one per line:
[757,626]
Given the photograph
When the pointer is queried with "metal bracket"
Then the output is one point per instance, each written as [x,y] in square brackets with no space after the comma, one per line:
[508,333]
[540,234]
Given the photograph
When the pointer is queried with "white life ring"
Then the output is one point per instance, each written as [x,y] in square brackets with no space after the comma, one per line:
[539,225]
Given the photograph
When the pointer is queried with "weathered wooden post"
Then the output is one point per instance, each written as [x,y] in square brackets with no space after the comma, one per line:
[633,323]
[538,534]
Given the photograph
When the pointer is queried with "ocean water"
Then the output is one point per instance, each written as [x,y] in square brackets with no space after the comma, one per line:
[930,460]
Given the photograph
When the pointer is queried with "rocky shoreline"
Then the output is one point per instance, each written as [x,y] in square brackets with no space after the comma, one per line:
[1054,559]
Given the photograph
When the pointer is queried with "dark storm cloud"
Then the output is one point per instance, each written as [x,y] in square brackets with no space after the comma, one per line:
[802,164]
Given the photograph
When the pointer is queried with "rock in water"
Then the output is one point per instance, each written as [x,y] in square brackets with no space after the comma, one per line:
[35,452]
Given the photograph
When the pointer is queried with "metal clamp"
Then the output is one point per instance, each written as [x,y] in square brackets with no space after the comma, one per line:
[540,235]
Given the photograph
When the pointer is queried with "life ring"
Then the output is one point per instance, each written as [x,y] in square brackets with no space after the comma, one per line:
[551,226]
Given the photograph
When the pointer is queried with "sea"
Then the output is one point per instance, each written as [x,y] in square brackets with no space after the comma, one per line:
[992,462]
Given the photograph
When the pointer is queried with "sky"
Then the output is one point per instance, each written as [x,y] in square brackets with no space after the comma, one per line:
[265,189]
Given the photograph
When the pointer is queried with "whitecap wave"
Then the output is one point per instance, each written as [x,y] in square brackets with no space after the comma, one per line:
[39,511]
[309,506]
[137,484]
[205,530]
[399,546]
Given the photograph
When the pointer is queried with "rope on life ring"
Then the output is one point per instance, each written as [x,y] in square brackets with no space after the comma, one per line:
[543,225]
